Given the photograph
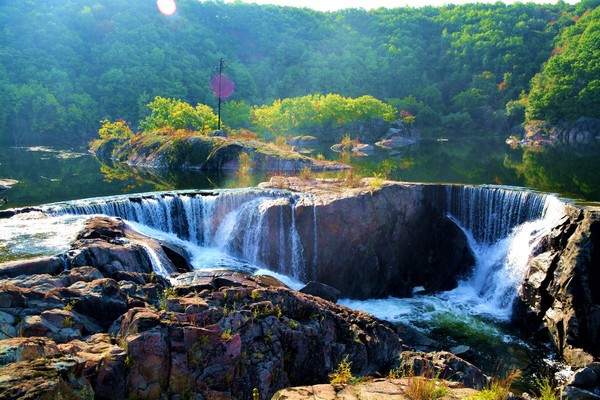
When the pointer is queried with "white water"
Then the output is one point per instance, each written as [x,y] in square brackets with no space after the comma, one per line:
[485,296]
[220,227]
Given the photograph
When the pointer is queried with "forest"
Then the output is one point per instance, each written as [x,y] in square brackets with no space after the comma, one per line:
[68,65]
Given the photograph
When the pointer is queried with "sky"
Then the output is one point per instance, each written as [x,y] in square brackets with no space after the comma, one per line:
[331,5]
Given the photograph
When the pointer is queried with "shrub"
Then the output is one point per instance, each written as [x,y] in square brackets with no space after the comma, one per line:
[342,375]
[377,181]
[117,129]
[306,173]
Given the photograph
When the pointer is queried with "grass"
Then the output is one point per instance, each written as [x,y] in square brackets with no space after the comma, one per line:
[377,181]
[547,391]
[67,322]
[166,294]
[499,388]
[306,173]
[422,388]
[226,335]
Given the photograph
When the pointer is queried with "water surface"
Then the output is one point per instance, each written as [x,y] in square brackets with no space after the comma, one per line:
[49,174]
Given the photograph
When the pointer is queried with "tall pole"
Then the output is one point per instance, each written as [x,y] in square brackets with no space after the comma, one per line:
[219,92]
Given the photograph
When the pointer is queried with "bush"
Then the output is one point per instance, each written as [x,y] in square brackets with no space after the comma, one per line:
[343,374]
[118,129]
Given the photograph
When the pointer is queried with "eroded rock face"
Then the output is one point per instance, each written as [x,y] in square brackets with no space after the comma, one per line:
[560,291]
[370,242]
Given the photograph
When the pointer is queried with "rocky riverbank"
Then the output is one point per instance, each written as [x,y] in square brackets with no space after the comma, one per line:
[99,322]
[211,153]
[583,132]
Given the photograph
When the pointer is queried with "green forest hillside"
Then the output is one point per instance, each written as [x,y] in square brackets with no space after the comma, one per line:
[66,65]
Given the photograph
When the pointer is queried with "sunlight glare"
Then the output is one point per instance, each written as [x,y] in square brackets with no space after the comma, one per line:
[166,7]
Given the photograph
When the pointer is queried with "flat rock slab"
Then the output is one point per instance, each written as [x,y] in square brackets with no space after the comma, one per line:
[378,389]
[7,183]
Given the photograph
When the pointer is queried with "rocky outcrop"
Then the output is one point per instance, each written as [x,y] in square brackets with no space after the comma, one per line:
[211,153]
[371,242]
[559,294]
[583,132]
[399,135]
[114,249]
[380,389]
[114,329]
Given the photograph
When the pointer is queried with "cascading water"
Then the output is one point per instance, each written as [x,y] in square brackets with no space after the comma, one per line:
[502,227]
[227,222]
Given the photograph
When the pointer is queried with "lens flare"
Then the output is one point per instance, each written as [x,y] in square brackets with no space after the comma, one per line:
[166,7]
[221,86]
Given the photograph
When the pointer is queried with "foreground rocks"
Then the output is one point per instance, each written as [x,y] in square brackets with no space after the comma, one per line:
[114,329]
[378,389]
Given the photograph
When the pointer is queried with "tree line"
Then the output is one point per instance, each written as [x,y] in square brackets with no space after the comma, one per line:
[67,65]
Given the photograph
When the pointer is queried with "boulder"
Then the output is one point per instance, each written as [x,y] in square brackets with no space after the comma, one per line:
[321,290]
[45,378]
[444,365]
[375,389]
[303,141]
[110,246]
[44,265]
[26,349]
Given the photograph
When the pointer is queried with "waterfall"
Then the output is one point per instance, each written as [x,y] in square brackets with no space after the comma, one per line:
[157,264]
[298,265]
[230,221]
[490,213]
[502,226]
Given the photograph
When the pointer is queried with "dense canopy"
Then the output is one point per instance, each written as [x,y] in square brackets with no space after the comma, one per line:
[67,65]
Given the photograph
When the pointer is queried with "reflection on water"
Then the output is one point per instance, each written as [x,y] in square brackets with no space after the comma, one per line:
[48,174]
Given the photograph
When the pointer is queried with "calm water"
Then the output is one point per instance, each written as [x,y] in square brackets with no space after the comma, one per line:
[51,174]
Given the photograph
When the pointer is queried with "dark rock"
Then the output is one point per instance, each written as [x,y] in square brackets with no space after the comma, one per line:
[321,290]
[370,243]
[45,378]
[178,256]
[574,393]
[559,290]
[444,365]
[45,265]
[415,339]
[108,245]
[25,349]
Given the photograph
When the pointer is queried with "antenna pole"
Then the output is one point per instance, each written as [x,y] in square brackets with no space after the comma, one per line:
[220,67]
